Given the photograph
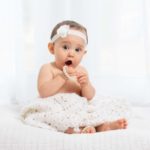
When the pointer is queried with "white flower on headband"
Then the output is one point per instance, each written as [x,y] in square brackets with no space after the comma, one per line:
[63,31]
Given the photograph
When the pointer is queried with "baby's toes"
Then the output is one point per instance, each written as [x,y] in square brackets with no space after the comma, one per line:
[123,123]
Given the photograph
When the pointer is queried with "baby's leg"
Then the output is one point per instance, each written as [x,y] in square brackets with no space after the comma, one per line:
[118,124]
[88,129]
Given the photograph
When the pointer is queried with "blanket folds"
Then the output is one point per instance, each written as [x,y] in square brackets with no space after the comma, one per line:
[62,111]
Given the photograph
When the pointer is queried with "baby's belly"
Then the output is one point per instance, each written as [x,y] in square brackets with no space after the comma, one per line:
[70,87]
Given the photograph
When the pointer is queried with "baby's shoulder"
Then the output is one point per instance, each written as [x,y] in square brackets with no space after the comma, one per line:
[47,67]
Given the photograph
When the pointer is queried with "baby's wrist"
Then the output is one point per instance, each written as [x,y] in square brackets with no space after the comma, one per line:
[85,85]
[63,76]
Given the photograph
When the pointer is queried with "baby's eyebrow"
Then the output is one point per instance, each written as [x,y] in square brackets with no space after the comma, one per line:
[78,45]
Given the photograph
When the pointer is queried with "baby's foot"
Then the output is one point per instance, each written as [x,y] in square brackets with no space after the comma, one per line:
[88,129]
[118,124]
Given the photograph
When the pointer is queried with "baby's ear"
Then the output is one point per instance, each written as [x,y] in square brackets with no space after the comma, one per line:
[85,52]
[51,48]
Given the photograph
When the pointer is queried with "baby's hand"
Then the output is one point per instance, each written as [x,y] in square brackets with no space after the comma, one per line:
[82,78]
[77,75]
[70,72]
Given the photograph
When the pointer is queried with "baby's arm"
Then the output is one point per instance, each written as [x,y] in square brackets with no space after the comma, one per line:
[47,85]
[87,90]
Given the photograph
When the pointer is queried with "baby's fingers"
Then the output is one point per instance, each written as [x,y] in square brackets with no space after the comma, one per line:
[83,80]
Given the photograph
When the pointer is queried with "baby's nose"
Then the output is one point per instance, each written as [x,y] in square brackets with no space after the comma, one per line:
[71,52]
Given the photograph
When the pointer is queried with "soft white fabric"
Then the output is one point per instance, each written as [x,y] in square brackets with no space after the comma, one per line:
[14,135]
[61,111]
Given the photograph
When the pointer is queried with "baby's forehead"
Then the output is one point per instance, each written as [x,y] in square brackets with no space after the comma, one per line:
[71,39]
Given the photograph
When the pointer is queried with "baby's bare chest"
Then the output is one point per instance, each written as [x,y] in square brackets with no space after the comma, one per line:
[69,86]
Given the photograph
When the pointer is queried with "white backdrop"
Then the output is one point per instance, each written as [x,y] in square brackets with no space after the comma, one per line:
[118,57]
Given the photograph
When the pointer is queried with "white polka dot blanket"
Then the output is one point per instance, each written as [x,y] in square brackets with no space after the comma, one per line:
[62,111]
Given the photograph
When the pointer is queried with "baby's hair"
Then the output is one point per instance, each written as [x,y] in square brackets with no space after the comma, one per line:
[72,24]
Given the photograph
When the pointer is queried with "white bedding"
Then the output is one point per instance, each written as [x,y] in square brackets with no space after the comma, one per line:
[64,110]
[14,135]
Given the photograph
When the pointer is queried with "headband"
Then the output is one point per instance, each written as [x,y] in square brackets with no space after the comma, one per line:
[63,32]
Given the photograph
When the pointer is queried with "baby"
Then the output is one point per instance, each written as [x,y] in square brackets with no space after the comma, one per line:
[65,74]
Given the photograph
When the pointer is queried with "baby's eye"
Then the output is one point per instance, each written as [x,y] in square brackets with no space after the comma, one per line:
[78,49]
[65,47]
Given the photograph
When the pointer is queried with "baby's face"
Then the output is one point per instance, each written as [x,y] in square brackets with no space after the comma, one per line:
[69,51]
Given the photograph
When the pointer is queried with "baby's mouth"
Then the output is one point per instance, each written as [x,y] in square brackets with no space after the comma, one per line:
[68,62]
